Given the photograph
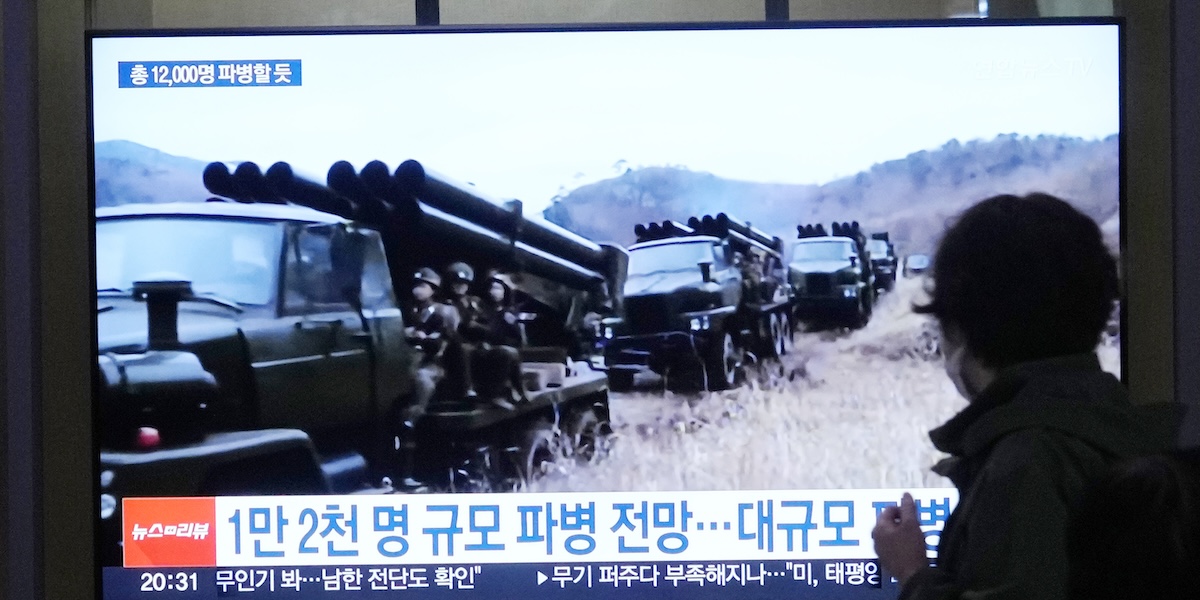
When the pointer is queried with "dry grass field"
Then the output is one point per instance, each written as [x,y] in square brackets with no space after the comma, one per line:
[844,410]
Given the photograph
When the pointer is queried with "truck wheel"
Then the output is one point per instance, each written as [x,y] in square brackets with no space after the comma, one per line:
[784,344]
[859,318]
[620,381]
[721,364]
[537,453]
[776,342]
[587,436]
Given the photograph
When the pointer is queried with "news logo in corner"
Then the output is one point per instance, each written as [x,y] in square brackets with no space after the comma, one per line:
[169,532]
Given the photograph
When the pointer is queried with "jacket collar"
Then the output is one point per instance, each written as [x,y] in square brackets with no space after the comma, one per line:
[954,437]
[1069,394]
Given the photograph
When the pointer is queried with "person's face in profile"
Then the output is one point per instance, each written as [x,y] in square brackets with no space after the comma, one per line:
[496,291]
[954,354]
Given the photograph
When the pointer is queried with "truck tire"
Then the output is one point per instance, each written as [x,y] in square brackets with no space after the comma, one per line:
[860,316]
[588,438]
[774,345]
[785,330]
[620,381]
[537,451]
[721,364]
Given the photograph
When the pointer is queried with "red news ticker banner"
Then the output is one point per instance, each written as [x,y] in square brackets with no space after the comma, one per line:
[170,532]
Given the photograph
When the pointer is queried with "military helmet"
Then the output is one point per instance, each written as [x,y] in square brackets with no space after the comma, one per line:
[460,271]
[503,279]
[429,276]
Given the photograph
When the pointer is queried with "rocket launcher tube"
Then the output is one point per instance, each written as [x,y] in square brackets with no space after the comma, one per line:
[343,179]
[250,178]
[220,182]
[426,230]
[456,199]
[758,236]
[301,191]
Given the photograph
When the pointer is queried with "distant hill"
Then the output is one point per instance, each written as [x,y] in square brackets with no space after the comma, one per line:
[127,173]
[912,197]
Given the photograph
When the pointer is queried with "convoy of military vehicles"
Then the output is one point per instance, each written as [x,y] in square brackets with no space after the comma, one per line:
[276,339]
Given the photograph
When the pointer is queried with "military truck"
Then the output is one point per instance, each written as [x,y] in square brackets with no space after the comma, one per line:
[255,343]
[832,275]
[699,299]
[884,261]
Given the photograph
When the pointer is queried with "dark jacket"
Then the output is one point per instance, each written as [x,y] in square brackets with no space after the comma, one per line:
[432,322]
[1022,454]
[498,326]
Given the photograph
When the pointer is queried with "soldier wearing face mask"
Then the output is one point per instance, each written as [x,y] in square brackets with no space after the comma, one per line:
[1022,289]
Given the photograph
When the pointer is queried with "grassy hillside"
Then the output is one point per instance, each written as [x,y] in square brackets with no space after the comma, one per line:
[910,197]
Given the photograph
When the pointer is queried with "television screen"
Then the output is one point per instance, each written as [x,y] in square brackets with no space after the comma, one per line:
[535,312]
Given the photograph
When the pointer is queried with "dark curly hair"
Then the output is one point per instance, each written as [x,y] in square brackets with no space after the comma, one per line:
[1024,278]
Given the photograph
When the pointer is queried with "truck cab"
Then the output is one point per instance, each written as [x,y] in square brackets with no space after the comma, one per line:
[830,282]
[678,293]
[697,298]
[236,345]
[884,262]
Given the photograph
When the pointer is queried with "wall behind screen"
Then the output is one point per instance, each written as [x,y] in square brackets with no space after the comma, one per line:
[124,14]
[60,503]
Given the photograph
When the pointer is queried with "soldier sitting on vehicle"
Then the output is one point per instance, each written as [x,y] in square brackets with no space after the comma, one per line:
[752,274]
[465,309]
[772,279]
[431,331]
[498,334]
[427,327]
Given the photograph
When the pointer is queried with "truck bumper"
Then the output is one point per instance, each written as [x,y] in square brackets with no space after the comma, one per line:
[185,471]
[826,306]
[655,351]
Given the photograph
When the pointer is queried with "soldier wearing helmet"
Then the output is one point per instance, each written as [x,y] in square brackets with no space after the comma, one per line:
[498,332]
[459,277]
[462,310]
[427,323]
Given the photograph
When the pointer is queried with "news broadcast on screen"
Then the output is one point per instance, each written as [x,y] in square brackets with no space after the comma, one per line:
[549,312]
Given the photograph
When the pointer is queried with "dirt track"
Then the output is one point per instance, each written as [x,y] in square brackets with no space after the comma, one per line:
[845,410]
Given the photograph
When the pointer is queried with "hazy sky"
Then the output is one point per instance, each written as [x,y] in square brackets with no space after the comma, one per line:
[523,114]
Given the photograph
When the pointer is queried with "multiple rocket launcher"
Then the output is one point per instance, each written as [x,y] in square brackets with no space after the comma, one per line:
[720,226]
[426,219]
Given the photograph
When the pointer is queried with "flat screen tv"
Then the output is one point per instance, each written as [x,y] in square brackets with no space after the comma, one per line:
[524,312]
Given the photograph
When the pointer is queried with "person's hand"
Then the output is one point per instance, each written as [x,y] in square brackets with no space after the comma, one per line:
[510,318]
[421,335]
[899,541]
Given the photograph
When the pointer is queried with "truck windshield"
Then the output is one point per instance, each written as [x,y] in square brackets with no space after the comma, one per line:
[918,261]
[831,250]
[232,260]
[670,257]
[877,248]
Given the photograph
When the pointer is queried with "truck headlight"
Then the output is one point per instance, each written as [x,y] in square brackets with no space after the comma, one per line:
[849,292]
[699,323]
